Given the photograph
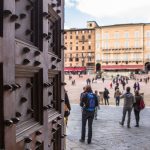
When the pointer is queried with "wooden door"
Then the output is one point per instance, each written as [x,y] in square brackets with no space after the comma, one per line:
[31,75]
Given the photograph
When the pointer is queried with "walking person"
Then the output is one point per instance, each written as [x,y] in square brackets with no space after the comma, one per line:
[88,103]
[117,96]
[81,95]
[103,79]
[67,108]
[136,86]
[106,96]
[136,107]
[111,85]
[97,107]
[127,107]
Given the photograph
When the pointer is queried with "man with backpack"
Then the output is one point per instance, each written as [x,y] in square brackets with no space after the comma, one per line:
[88,103]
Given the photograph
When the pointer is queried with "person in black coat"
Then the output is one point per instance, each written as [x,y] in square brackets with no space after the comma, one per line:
[106,96]
[67,107]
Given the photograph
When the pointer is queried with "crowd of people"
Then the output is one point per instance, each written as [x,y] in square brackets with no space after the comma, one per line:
[90,102]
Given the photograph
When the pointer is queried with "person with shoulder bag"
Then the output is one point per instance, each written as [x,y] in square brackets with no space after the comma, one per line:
[138,106]
[67,108]
[88,103]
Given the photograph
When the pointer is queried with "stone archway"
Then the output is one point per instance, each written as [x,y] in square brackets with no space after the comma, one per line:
[147,66]
[98,67]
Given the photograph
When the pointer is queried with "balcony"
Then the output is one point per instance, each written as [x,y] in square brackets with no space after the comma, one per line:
[123,49]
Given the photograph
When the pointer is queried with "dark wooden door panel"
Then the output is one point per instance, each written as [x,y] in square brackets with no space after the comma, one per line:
[31,75]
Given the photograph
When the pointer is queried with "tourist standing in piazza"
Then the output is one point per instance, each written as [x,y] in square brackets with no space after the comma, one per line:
[117,96]
[127,107]
[136,106]
[136,86]
[88,103]
[97,107]
[106,96]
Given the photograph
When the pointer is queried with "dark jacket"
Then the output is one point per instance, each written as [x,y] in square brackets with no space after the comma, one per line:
[106,92]
[67,101]
[136,104]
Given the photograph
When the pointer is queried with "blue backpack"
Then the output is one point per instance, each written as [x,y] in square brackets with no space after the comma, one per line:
[90,102]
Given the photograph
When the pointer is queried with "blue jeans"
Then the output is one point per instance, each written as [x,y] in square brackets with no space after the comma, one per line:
[117,100]
[125,110]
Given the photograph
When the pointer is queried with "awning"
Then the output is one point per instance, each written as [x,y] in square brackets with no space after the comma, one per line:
[74,68]
[123,67]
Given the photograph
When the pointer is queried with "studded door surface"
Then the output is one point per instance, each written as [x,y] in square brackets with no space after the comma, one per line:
[31,75]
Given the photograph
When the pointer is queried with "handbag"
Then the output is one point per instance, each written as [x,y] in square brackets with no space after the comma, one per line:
[142,104]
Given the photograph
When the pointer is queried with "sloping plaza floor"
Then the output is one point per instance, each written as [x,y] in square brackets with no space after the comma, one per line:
[107,133]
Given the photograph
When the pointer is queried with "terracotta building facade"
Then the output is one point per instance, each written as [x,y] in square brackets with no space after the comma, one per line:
[120,47]
[123,47]
[80,49]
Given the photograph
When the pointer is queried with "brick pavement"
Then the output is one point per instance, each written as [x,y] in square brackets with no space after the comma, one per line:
[107,133]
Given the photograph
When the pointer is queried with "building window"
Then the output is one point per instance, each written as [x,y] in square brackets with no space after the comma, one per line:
[89,57]
[126,57]
[76,59]
[116,44]
[70,59]
[97,36]
[83,38]
[136,34]
[126,35]
[127,44]
[70,36]
[97,46]
[147,34]
[82,47]
[106,36]
[66,37]
[148,43]
[77,37]
[89,36]
[70,48]
[76,47]
[136,44]
[106,45]
[116,35]
[89,47]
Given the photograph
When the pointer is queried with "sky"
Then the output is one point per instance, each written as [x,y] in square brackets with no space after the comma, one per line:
[105,12]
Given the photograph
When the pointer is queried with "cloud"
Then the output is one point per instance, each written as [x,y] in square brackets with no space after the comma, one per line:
[70,3]
[117,9]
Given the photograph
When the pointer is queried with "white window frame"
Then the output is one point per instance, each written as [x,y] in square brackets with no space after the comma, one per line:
[126,35]
[116,35]
[136,34]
